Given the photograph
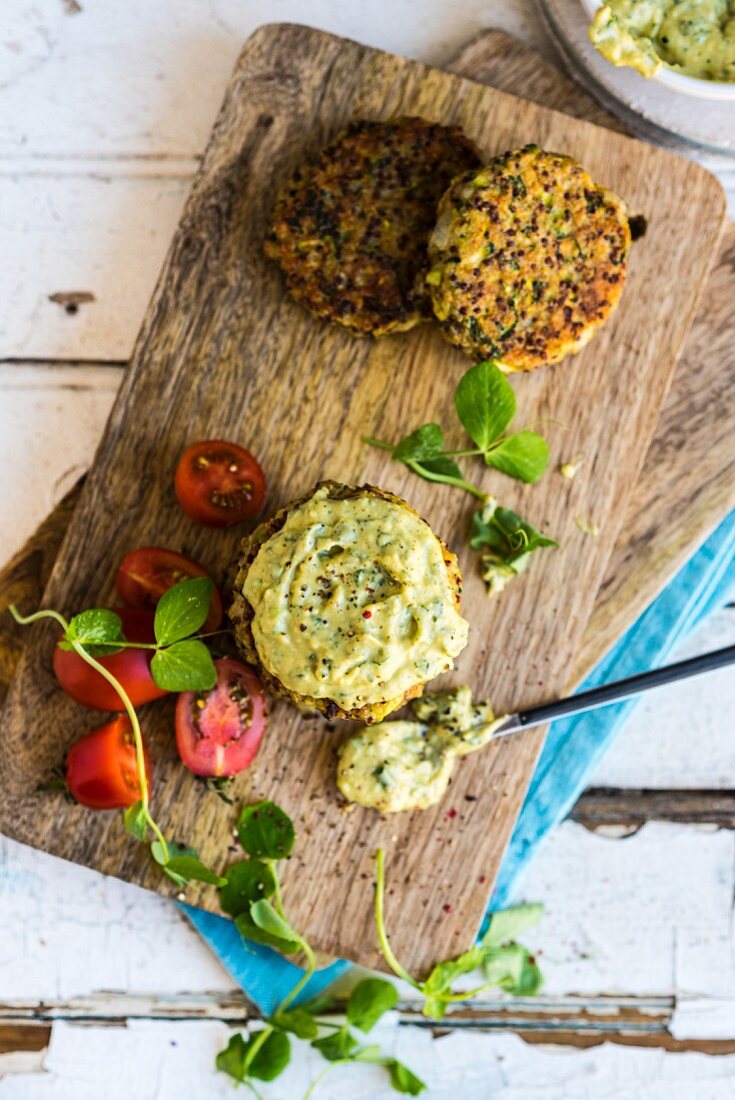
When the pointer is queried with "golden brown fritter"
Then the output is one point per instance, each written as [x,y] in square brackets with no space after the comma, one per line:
[241,612]
[528,259]
[349,231]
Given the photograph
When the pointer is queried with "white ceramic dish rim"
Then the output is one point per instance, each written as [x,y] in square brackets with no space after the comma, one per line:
[688,85]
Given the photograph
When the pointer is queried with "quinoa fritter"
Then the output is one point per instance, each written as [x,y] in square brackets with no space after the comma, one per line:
[339,599]
[350,230]
[528,259]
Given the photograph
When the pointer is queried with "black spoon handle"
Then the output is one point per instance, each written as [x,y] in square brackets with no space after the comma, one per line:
[623,689]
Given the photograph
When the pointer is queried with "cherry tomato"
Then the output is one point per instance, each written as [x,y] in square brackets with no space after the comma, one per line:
[218,483]
[146,573]
[130,666]
[101,769]
[218,731]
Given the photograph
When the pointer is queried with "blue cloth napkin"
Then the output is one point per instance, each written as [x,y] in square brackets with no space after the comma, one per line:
[572,751]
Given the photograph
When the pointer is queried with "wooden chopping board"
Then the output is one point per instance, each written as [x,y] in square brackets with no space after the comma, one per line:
[223,352]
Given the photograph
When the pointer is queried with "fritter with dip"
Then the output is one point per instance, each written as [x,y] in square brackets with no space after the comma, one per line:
[347,602]
[350,230]
[528,259]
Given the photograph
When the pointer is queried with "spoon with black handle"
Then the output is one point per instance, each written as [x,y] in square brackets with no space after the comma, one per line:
[614,693]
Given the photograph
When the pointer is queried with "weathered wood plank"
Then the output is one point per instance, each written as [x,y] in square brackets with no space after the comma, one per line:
[681,737]
[164,1059]
[70,236]
[154,76]
[23,1047]
[586,942]
[630,808]
[581,1022]
[21,1039]
[55,414]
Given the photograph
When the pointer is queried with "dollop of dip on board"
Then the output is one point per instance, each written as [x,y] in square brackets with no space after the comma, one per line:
[407,765]
[694,37]
[366,582]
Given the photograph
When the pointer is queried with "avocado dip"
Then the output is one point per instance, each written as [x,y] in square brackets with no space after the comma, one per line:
[694,37]
[408,765]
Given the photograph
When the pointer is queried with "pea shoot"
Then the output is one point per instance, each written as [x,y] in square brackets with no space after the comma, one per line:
[252,895]
[180,662]
[485,404]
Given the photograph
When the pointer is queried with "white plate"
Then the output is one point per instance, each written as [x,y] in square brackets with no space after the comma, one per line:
[704,129]
[679,82]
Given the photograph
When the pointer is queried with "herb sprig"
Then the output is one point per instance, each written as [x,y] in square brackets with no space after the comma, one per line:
[485,404]
[252,894]
[504,962]
[180,663]
[506,542]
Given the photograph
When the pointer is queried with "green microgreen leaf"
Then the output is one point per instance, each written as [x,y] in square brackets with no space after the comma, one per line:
[508,531]
[507,924]
[337,1046]
[263,1059]
[135,821]
[425,442]
[508,542]
[524,456]
[174,850]
[531,979]
[191,869]
[444,974]
[268,920]
[445,471]
[371,1054]
[98,630]
[402,1079]
[266,831]
[246,881]
[298,1021]
[184,666]
[369,1000]
[485,403]
[249,930]
[271,1058]
[433,1008]
[231,1060]
[182,610]
[505,966]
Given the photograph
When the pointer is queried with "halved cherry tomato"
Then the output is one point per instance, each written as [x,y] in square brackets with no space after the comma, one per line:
[218,483]
[146,573]
[130,666]
[218,731]
[101,770]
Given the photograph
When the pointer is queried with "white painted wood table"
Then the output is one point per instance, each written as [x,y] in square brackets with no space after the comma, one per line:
[105,990]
